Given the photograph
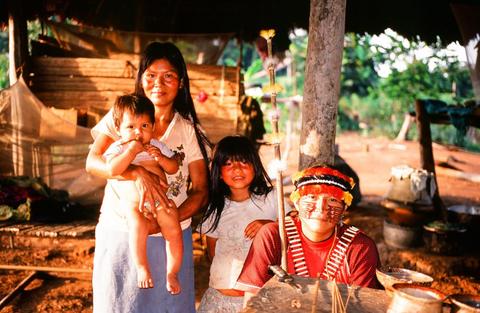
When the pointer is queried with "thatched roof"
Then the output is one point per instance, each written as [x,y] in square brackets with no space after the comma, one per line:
[426,18]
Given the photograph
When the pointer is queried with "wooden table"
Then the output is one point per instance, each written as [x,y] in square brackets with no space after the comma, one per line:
[280,297]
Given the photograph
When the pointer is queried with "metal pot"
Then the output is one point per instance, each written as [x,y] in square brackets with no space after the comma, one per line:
[462,303]
[451,241]
[468,215]
[398,236]
[411,298]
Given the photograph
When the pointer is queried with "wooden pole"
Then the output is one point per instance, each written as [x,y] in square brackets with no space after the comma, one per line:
[273,88]
[426,153]
[17,40]
[45,269]
[19,288]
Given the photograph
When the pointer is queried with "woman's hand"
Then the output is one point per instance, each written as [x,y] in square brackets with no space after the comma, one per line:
[252,229]
[149,188]
[198,194]
[153,227]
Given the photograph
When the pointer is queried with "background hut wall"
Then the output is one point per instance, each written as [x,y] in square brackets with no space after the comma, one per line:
[91,85]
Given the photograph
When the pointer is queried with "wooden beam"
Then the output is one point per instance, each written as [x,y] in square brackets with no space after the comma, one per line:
[18,289]
[17,40]
[45,269]
[120,68]
[426,153]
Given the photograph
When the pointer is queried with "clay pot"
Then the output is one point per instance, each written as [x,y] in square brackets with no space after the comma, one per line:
[411,298]
[388,276]
[462,303]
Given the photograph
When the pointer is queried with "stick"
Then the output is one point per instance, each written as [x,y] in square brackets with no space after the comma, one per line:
[12,294]
[268,35]
[315,294]
[44,268]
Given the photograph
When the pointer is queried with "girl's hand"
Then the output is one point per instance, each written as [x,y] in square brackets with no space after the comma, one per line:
[149,187]
[252,228]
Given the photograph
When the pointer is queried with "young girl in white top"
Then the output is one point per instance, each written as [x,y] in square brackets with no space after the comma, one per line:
[242,201]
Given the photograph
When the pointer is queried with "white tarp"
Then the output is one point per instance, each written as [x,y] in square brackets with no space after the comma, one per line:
[37,141]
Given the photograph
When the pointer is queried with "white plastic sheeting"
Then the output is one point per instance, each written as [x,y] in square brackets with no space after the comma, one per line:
[37,141]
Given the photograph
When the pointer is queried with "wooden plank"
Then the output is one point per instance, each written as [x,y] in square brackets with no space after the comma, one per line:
[76,230]
[91,96]
[44,66]
[61,62]
[47,230]
[277,297]
[228,110]
[87,230]
[125,71]
[53,83]
[127,85]
[17,228]
[217,128]
[45,268]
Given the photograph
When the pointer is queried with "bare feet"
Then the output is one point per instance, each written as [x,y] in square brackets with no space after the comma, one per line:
[173,285]
[144,278]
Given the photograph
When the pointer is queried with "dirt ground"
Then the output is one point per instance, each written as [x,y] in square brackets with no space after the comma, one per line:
[371,158]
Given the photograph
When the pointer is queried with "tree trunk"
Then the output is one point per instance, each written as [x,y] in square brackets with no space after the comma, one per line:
[322,82]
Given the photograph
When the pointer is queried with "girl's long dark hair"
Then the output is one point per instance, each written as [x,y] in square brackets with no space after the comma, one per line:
[183,103]
[233,148]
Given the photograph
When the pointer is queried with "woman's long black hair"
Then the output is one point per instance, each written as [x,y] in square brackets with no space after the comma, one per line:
[183,102]
[233,148]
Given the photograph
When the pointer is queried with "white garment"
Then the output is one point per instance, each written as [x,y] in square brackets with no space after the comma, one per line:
[117,148]
[179,138]
[232,247]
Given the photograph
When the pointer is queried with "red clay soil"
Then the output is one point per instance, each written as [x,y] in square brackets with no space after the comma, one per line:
[371,158]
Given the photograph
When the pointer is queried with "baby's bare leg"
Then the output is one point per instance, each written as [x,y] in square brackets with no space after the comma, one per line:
[137,236]
[171,230]
[137,230]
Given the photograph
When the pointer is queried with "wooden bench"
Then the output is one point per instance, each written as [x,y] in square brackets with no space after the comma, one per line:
[91,85]
[74,230]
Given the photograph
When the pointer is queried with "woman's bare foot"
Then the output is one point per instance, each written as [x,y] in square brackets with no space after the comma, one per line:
[144,278]
[173,285]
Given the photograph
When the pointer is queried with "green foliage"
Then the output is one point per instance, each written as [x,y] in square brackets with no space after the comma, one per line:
[231,54]
[380,104]
[358,66]
[4,82]
[255,67]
